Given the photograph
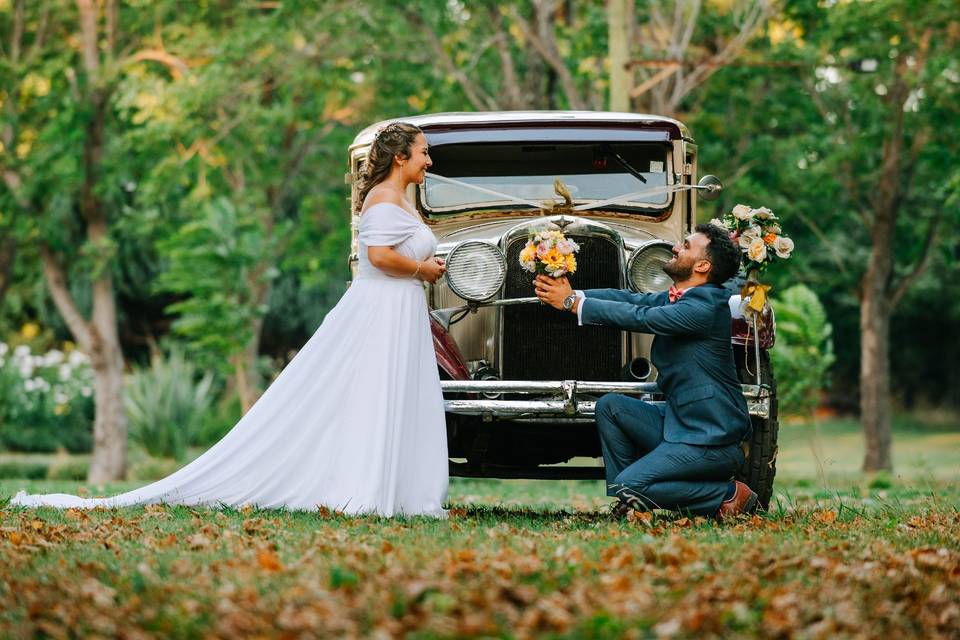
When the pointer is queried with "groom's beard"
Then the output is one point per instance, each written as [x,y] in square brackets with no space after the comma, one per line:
[677,270]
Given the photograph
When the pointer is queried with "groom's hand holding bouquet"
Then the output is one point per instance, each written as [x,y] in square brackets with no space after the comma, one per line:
[551,255]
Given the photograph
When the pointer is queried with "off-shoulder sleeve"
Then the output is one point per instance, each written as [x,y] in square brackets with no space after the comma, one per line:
[385,225]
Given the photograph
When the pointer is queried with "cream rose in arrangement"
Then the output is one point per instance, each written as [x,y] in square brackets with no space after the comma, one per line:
[758,234]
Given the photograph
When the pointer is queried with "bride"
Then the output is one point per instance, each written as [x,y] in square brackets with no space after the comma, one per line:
[355,422]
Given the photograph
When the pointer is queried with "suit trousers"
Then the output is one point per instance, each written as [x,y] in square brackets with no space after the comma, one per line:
[666,475]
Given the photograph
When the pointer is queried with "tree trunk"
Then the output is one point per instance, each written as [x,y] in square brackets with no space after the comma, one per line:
[100,340]
[245,363]
[109,460]
[619,21]
[875,373]
[876,297]
[8,252]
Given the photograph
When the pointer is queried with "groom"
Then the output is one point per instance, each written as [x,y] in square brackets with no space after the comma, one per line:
[680,455]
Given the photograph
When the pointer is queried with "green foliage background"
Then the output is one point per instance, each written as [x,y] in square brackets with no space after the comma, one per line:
[224,157]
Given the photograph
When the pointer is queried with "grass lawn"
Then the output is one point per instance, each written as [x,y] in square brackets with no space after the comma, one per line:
[840,554]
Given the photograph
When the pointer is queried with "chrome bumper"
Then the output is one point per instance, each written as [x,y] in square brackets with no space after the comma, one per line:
[561,400]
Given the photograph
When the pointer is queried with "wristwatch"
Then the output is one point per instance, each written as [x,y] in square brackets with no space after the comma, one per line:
[568,302]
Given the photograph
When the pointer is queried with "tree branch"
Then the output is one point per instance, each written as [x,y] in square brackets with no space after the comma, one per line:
[112,20]
[40,39]
[511,84]
[178,68]
[60,293]
[921,265]
[758,11]
[16,38]
[548,51]
[88,36]
[477,96]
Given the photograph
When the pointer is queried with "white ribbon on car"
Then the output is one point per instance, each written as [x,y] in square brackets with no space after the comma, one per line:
[623,198]
[505,196]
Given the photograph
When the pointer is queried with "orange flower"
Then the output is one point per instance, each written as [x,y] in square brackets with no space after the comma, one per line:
[770,238]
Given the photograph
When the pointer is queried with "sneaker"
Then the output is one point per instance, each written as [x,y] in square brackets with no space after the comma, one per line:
[744,500]
[632,499]
[620,510]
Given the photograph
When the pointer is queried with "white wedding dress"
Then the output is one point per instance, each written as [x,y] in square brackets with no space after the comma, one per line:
[355,422]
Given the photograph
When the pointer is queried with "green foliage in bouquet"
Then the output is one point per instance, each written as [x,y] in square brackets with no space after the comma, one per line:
[804,350]
[166,403]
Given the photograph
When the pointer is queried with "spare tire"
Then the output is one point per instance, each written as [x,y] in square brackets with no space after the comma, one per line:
[760,466]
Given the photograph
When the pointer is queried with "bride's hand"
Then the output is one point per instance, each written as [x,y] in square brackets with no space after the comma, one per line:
[431,270]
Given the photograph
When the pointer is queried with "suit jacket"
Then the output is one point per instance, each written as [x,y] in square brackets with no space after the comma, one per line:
[693,355]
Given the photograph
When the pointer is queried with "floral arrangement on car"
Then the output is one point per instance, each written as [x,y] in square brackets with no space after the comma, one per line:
[549,253]
[762,242]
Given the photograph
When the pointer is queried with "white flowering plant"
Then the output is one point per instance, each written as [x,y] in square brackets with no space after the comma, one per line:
[758,234]
[46,400]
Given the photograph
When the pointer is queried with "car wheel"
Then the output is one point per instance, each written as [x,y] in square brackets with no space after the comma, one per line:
[760,466]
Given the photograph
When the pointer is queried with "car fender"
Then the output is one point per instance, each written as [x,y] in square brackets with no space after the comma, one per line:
[448,353]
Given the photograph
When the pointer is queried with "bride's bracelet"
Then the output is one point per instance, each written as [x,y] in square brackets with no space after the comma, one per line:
[418,269]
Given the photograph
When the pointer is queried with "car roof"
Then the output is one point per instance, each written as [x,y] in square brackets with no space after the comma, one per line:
[446,125]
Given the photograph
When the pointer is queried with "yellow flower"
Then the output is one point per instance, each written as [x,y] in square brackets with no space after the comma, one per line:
[571,263]
[553,257]
[30,330]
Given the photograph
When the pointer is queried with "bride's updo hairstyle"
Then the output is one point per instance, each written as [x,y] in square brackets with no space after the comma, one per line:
[394,139]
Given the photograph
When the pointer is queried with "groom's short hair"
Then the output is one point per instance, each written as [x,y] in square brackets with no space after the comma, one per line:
[723,255]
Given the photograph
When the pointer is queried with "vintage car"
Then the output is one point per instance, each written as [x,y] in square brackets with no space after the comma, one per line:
[521,379]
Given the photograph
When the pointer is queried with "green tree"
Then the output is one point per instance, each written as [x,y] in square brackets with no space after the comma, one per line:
[262,108]
[848,149]
[63,62]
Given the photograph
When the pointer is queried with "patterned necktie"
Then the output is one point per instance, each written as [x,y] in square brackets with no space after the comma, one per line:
[675,293]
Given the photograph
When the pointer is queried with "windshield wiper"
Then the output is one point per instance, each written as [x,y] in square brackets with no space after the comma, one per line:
[623,163]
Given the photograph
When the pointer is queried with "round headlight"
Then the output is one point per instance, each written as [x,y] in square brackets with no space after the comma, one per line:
[475,270]
[645,267]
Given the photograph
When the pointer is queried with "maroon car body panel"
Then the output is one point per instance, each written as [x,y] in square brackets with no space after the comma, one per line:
[448,353]
[741,331]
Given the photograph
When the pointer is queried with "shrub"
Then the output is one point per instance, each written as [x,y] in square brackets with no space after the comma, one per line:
[68,470]
[804,350]
[166,402]
[150,469]
[46,401]
[216,423]
[23,470]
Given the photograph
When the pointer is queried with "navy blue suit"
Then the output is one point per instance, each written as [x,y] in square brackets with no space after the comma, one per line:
[683,454]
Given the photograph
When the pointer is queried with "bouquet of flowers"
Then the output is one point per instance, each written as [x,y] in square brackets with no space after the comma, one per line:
[761,240]
[759,235]
[549,253]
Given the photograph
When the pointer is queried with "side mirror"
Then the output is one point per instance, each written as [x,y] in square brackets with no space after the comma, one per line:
[709,187]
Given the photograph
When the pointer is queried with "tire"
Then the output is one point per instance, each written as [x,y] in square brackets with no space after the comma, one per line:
[760,467]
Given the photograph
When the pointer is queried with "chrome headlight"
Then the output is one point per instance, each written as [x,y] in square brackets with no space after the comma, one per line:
[645,267]
[475,270]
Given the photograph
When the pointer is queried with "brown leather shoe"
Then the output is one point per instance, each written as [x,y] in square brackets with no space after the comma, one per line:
[744,500]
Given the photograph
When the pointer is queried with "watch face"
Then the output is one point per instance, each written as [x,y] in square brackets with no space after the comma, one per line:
[568,302]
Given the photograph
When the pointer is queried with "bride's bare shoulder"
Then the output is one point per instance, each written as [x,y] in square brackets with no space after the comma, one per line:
[381,195]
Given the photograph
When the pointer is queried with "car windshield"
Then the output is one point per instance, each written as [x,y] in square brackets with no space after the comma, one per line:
[592,172]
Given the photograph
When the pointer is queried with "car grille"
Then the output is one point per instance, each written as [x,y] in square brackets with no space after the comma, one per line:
[542,343]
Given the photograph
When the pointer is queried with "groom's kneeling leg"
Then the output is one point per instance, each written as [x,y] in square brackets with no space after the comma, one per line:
[628,428]
[681,477]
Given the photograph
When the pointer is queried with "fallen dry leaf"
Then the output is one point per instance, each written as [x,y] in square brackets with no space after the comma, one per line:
[268,560]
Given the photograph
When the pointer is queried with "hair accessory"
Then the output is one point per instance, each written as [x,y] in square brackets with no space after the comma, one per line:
[385,129]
